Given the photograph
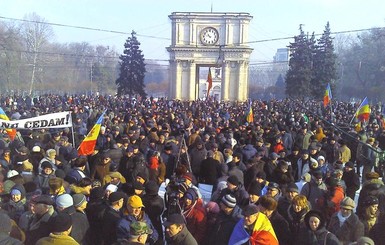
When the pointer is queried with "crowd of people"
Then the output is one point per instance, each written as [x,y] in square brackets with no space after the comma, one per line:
[297,173]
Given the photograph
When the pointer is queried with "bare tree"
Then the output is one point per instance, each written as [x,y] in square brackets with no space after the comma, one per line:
[36,33]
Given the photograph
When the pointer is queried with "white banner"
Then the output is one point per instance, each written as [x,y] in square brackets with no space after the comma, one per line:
[54,120]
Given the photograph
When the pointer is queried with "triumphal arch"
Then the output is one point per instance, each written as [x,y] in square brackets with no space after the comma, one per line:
[213,40]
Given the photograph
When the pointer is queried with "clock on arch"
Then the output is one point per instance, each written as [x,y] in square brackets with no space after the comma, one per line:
[209,36]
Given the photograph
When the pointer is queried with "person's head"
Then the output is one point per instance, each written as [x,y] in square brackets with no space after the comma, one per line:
[61,224]
[371,205]
[292,191]
[232,182]
[317,176]
[46,168]
[80,201]
[110,189]
[250,213]
[228,203]
[55,185]
[273,189]
[190,197]
[116,199]
[135,205]
[16,195]
[304,154]
[106,159]
[42,204]
[115,178]
[267,205]
[260,177]
[64,201]
[254,191]
[346,206]
[321,160]
[174,224]
[139,232]
[80,162]
[349,166]
[300,203]
[314,220]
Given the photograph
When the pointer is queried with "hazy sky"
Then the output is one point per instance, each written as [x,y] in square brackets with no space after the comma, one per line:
[271,19]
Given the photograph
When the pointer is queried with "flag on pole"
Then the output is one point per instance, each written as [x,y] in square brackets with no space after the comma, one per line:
[250,114]
[363,111]
[327,95]
[10,131]
[88,144]
[210,83]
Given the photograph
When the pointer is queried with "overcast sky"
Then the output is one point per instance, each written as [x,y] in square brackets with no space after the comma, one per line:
[271,19]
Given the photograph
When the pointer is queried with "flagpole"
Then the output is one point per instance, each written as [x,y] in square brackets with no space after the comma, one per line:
[355,114]
[72,132]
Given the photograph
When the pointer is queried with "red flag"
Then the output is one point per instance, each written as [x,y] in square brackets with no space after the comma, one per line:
[210,83]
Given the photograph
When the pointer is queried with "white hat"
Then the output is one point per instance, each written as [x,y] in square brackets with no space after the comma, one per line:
[320,158]
[36,148]
[111,188]
[12,173]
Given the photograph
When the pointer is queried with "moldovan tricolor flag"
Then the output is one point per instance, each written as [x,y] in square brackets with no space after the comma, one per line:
[88,145]
[327,95]
[210,83]
[363,111]
[250,114]
[10,131]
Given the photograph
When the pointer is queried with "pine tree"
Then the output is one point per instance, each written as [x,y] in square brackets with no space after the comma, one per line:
[324,64]
[132,69]
[299,75]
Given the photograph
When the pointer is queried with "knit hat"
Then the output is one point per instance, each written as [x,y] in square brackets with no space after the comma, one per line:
[5,223]
[46,164]
[229,200]
[370,200]
[61,222]
[152,188]
[135,201]
[233,180]
[64,201]
[191,194]
[212,207]
[349,165]
[292,187]
[273,185]
[15,192]
[348,203]
[268,202]
[188,176]
[78,199]
[261,175]
[96,193]
[138,186]
[250,209]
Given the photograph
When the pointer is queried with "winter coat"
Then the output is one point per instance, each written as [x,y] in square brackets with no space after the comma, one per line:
[209,171]
[184,237]
[351,230]
[315,194]
[374,187]
[154,207]
[197,157]
[281,228]
[196,221]
[38,227]
[352,181]
[54,239]
[110,220]
[80,225]
[95,212]
[224,226]
[377,233]
[295,220]
[5,239]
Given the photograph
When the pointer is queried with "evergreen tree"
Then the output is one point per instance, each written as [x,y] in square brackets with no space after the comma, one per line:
[132,69]
[299,75]
[324,64]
